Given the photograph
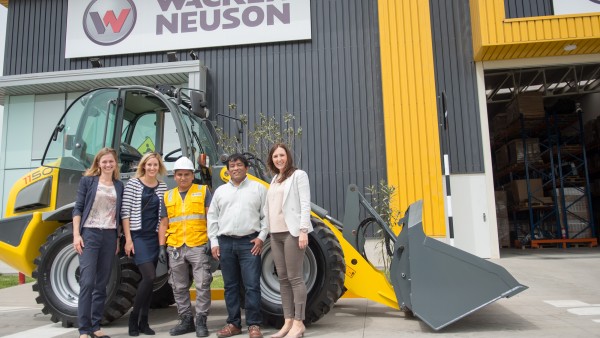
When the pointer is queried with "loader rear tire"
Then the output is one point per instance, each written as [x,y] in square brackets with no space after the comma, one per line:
[57,274]
[162,293]
[324,272]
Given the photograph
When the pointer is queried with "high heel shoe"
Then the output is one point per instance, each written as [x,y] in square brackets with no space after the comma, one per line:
[282,333]
[296,334]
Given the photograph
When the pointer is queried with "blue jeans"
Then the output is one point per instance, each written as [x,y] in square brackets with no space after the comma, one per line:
[240,267]
[95,266]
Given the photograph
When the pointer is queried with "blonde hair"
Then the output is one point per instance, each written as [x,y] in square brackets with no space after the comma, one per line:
[141,171]
[95,170]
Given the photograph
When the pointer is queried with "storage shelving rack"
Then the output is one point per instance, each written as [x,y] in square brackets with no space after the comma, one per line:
[561,142]
[568,147]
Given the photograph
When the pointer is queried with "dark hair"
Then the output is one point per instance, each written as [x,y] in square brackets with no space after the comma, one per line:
[235,157]
[289,164]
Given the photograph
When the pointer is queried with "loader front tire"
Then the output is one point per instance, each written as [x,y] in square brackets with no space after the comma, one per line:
[324,272]
[57,274]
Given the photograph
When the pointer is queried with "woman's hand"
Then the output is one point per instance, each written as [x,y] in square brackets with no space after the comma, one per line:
[129,249]
[78,244]
[303,240]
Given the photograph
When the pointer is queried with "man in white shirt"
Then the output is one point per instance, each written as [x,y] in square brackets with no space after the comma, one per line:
[237,231]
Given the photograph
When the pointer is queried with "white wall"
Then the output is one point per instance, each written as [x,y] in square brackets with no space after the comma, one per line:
[474,224]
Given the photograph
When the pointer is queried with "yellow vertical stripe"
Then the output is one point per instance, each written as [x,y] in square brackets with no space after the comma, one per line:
[410,109]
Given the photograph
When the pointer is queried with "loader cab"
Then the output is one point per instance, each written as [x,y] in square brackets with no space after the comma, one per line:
[132,120]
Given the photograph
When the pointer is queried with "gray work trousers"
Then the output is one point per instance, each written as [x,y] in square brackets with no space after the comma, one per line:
[288,259]
[181,260]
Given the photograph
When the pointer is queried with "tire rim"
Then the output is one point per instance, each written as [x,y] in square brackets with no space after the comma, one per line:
[63,276]
[269,282]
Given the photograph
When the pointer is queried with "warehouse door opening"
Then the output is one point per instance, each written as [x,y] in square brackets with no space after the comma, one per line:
[545,145]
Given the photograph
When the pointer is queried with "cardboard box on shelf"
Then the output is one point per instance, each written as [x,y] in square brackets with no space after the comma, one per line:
[519,189]
[578,229]
[516,151]
[531,105]
[578,217]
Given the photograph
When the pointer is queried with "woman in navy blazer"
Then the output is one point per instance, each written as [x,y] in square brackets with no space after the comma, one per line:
[287,211]
[96,224]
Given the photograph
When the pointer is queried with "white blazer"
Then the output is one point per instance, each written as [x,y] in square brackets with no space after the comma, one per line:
[296,203]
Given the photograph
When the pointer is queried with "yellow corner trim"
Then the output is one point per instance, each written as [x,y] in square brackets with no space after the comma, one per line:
[497,38]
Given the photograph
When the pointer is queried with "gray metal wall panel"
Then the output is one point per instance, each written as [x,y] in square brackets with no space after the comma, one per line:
[455,75]
[330,83]
[527,8]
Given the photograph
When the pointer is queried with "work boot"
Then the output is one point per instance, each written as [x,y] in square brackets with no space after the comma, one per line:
[145,327]
[201,329]
[186,325]
[134,329]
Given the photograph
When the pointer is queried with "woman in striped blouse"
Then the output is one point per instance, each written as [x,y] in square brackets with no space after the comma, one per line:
[142,201]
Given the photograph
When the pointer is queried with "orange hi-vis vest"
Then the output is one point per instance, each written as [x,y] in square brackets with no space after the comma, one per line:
[187,218]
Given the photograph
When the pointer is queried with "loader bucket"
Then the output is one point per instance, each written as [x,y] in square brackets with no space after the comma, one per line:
[439,283]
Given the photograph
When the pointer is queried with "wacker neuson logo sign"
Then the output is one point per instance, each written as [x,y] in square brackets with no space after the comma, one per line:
[109,22]
[110,27]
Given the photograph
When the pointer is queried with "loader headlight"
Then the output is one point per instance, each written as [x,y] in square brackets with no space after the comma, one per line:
[35,196]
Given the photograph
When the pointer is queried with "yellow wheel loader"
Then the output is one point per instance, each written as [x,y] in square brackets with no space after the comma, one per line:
[436,282]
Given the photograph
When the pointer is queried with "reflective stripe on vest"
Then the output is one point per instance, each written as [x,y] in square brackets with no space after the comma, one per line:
[186,218]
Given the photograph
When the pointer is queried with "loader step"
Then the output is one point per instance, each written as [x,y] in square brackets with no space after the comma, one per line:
[589,242]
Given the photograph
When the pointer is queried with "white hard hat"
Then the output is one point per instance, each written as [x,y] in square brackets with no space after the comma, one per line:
[183,163]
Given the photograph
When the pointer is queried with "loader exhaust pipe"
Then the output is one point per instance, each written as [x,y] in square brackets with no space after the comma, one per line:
[439,283]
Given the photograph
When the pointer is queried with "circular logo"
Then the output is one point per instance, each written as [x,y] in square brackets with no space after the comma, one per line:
[108,22]
[596,1]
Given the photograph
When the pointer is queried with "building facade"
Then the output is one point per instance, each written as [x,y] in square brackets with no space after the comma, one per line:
[382,89]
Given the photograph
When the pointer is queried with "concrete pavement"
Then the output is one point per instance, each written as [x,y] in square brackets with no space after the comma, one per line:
[563,299]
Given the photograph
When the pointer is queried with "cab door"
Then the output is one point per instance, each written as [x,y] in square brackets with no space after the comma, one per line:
[146,125]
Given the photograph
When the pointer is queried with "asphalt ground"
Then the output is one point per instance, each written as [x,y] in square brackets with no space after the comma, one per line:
[563,300]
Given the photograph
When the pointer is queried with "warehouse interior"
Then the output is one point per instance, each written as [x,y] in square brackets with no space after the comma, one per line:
[545,145]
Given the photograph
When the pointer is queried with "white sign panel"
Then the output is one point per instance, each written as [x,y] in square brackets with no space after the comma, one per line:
[576,6]
[111,27]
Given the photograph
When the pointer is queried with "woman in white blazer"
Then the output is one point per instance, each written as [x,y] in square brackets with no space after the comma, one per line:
[288,215]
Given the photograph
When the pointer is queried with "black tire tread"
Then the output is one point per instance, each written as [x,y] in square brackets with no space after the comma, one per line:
[335,284]
[116,307]
[323,296]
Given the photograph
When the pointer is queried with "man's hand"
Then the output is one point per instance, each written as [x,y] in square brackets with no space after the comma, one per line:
[257,248]
[216,253]
[78,244]
[162,254]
